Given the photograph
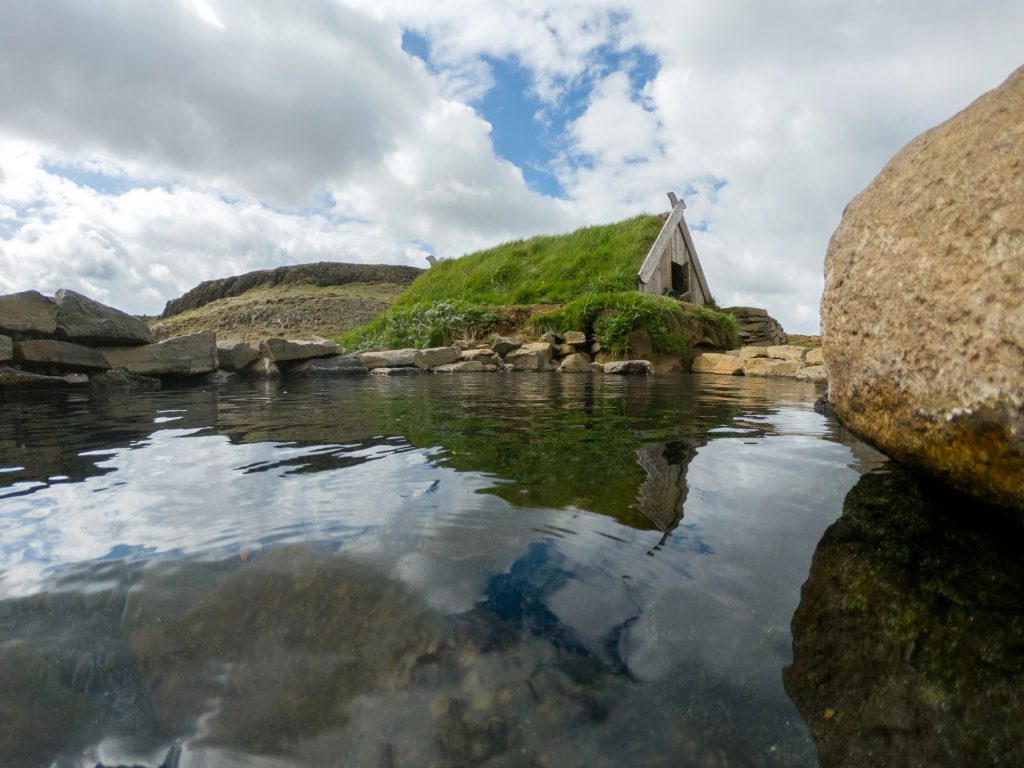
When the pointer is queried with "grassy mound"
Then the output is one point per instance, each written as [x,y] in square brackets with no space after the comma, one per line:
[589,276]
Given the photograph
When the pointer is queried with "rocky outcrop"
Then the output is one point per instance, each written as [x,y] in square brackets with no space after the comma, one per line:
[322,273]
[184,355]
[86,321]
[923,309]
[235,355]
[27,315]
[283,350]
[60,354]
[757,327]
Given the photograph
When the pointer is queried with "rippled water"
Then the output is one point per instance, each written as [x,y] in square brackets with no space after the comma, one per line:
[480,570]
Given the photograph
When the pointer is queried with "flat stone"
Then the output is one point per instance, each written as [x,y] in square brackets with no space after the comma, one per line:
[403,371]
[62,354]
[6,348]
[235,355]
[529,359]
[817,373]
[712,362]
[629,368]
[575,338]
[503,345]
[468,366]
[284,350]
[28,314]
[263,370]
[87,321]
[435,356]
[123,379]
[766,366]
[389,358]
[578,362]
[485,356]
[787,352]
[323,367]
[815,357]
[182,355]
[11,378]
[753,351]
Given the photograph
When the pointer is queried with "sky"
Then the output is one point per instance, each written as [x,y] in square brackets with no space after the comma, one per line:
[147,146]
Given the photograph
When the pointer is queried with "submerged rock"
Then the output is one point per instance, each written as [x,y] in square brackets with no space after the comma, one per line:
[122,378]
[629,368]
[907,640]
[339,365]
[87,321]
[923,315]
[403,371]
[12,378]
[263,370]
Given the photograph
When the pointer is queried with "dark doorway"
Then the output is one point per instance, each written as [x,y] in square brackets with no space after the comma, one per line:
[680,278]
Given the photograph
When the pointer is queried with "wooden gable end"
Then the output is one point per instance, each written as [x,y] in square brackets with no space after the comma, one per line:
[672,266]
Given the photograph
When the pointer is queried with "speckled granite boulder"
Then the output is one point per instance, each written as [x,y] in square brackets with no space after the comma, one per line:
[923,309]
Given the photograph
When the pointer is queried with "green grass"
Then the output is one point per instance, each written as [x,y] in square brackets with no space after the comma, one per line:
[422,325]
[550,269]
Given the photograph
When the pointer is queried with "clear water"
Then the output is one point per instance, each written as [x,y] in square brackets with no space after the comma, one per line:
[520,570]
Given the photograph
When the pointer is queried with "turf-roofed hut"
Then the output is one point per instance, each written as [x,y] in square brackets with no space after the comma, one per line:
[672,267]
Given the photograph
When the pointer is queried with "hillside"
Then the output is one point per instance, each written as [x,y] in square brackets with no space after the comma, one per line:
[303,301]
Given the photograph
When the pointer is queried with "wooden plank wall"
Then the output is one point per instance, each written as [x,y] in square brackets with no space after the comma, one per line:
[673,244]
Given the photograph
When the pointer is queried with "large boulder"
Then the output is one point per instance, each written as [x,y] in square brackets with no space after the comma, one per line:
[923,309]
[59,354]
[86,321]
[27,315]
[182,355]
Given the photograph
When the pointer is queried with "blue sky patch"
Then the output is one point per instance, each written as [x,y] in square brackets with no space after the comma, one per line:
[103,183]
[528,133]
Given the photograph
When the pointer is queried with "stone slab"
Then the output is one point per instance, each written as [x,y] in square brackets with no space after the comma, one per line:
[712,362]
[435,356]
[235,355]
[389,358]
[62,354]
[766,366]
[629,368]
[787,352]
[325,367]
[182,355]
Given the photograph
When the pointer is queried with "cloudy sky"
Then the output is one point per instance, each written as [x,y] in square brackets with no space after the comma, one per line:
[146,145]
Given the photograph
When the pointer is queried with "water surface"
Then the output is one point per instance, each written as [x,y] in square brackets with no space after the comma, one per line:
[520,570]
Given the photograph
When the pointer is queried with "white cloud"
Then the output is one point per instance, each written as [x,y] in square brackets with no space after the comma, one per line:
[229,135]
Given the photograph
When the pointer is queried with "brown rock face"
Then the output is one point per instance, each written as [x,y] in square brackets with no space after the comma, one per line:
[923,309]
